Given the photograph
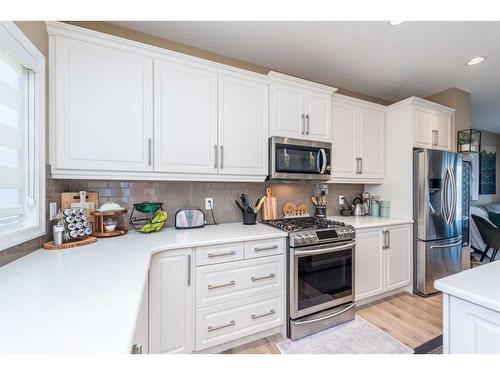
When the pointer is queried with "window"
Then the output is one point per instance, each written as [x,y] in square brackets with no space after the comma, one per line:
[22,141]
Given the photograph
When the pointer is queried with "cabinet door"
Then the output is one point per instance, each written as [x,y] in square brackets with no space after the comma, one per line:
[171,303]
[287,106]
[423,126]
[344,141]
[243,122]
[371,143]
[141,334]
[318,116]
[398,257]
[369,275]
[104,112]
[185,118]
[442,124]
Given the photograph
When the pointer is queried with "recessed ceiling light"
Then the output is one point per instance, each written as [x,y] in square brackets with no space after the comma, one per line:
[395,23]
[476,60]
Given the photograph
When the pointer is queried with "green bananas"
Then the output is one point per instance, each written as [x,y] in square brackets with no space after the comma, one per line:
[156,224]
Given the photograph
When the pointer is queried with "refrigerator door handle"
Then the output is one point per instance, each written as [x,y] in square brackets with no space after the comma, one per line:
[447,245]
[455,196]
[444,196]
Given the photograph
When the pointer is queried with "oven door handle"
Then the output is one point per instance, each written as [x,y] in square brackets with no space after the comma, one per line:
[323,251]
[326,317]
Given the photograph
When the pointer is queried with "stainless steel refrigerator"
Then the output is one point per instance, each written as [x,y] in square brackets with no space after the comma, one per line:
[437,214]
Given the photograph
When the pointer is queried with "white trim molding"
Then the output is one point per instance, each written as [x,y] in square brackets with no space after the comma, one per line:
[26,53]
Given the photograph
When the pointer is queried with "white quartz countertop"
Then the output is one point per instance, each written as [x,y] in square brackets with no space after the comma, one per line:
[362,222]
[480,285]
[87,299]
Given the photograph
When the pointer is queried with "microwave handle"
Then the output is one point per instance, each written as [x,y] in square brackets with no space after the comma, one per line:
[323,166]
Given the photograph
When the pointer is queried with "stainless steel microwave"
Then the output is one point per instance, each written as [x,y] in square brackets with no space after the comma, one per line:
[297,159]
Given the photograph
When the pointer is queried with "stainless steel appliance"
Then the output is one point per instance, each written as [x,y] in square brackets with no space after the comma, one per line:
[188,218]
[296,159]
[320,274]
[437,211]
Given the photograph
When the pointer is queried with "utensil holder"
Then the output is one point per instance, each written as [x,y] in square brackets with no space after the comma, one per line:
[320,210]
[249,218]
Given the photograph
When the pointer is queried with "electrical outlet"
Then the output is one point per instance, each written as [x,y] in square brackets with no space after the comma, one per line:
[341,199]
[209,203]
[52,210]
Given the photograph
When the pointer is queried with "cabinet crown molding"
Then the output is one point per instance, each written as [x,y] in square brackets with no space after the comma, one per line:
[307,85]
[339,98]
[55,28]
[413,100]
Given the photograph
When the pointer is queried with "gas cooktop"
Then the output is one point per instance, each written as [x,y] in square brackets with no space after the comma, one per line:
[307,231]
[304,223]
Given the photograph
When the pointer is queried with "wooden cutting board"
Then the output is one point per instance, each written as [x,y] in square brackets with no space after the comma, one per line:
[270,208]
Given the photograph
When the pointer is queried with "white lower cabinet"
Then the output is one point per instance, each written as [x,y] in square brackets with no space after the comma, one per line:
[171,302]
[469,328]
[220,324]
[212,295]
[140,344]
[382,260]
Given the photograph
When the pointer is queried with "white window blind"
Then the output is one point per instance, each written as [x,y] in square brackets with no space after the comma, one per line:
[14,142]
[22,155]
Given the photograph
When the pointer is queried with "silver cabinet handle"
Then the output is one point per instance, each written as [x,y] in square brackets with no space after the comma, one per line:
[386,244]
[216,156]
[307,121]
[325,317]
[230,324]
[137,349]
[360,165]
[231,283]
[150,157]
[437,137]
[214,255]
[303,130]
[221,156]
[358,169]
[266,248]
[271,312]
[388,234]
[189,270]
[270,276]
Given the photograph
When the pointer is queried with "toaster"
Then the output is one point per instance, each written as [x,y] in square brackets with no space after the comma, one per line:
[187,218]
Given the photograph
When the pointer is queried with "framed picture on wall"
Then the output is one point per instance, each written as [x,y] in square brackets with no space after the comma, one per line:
[487,170]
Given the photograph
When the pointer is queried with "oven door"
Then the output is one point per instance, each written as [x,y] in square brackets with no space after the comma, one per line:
[299,159]
[321,277]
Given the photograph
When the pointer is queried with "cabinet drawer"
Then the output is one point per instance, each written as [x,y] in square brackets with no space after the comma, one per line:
[223,323]
[219,253]
[256,249]
[220,283]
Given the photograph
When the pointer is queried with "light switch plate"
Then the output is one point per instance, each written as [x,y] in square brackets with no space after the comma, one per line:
[52,210]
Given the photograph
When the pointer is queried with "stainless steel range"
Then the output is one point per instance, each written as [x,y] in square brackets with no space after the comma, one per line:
[320,273]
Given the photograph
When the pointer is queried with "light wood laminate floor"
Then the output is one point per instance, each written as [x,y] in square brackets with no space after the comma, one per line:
[411,319]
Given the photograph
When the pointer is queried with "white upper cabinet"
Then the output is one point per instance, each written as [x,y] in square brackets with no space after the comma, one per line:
[300,109]
[318,115]
[120,109]
[287,105]
[185,118]
[431,125]
[243,125]
[102,107]
[358,141]
[442,121]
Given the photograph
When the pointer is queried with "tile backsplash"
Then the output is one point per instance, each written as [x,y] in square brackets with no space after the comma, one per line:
[176,195]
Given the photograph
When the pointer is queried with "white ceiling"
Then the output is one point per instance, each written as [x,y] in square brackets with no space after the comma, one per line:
[393,63]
